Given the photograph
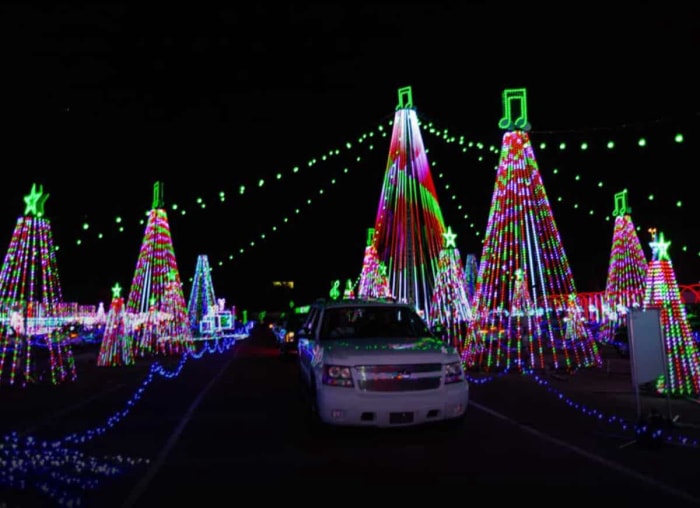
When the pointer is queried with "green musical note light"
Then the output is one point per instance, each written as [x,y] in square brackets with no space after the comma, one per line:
[514,97]
[405,98]
[621,207]
[335,292]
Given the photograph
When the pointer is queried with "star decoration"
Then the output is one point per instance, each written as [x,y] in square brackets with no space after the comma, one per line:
[659,248]
[449,238]
[35,201]
[116,290]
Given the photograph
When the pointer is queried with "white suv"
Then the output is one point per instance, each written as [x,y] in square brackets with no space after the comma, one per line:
[376,363]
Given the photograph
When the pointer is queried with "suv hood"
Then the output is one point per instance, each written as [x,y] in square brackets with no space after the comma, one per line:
[378,351]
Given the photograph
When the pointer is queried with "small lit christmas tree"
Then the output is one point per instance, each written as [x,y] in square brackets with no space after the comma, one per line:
[450,302]
[156,303]
[32,349]
[522,238]
[373,280]
[624,289]
[117,346]
[682,353]
[202,297]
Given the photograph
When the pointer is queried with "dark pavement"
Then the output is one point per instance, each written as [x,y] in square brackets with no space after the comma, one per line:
[232,423]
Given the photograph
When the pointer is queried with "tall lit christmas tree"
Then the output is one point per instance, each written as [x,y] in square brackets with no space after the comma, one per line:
[30,296]
[523,256]
[156,303]
[449,304]
[682,353]
[202,297]
[373,280]
[409,224]
[117,346]
[624,289]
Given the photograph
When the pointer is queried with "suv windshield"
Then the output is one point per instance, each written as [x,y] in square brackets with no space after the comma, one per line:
[369,322]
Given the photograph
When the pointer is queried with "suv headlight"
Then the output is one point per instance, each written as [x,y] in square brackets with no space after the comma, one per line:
[454,373]
[337,375]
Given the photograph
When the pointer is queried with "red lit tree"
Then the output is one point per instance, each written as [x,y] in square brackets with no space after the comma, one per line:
[117,346]
[373,280]
[156,303]
[682,353]
[409,224]
[30,298]
[522,238]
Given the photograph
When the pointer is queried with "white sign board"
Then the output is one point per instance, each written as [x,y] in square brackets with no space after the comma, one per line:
[647,351]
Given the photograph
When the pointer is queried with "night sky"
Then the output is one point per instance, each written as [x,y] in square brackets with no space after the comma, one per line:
[101,101]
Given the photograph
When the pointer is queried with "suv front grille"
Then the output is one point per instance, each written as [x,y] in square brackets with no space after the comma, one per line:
[399,378]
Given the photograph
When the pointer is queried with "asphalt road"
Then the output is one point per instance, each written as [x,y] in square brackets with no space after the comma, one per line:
[231,424]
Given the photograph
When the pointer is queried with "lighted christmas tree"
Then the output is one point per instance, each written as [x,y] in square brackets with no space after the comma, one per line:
[471,270]
[522,255]
[682,353]
[624,289]
[409,224]
[156,303]
[202,297]
[373,280]
[449,304]
[32,349]
[117,347]
[101,316]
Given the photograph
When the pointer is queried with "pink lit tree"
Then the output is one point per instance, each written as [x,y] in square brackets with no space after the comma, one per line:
[682,353]
[373,280]
[117,346]
[409,224]
[522,256]
[156,304]
[449,306]
[30,298]
[624,289]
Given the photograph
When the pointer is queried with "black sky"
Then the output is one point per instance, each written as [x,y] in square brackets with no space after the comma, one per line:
[101,100]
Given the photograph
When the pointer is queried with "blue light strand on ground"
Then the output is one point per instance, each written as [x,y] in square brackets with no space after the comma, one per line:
[63,473]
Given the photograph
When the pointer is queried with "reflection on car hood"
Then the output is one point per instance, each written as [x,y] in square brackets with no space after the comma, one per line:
[357,351]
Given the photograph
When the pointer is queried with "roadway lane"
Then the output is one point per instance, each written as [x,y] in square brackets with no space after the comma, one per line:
[232,424]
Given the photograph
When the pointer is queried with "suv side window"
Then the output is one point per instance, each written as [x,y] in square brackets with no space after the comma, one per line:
[311,322]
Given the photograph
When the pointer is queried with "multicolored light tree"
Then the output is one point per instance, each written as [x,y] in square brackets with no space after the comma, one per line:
[682,353]
[117,346]
[30,296]
[202,297]
[449,304]
[624,289]
[373,280]
[156,303]
[409,224]
[523,260]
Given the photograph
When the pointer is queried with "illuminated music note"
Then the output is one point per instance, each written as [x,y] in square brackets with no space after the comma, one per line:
[518,97]
[405,98]
[621,207]
[335,292]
